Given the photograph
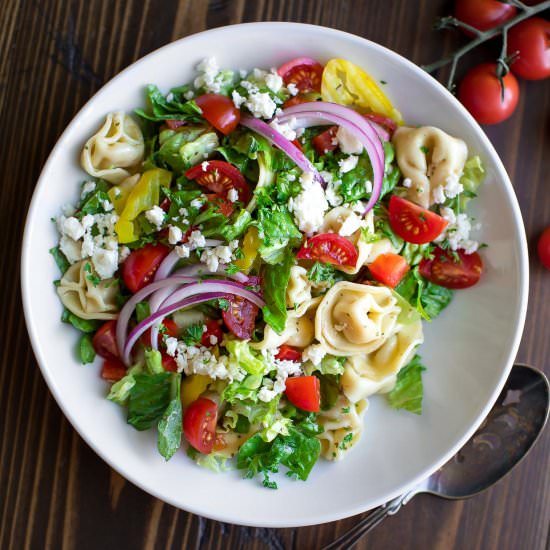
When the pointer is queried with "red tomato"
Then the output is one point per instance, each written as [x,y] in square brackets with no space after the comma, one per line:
[220,111]
[480,92]
[304,392]
[389,124]
[297,143]
[543,248]
[330,249]
[288,353]
[225,207]
[165,204]
[213,328]
[113,370]
[483,14]
[104,341]
[141,264]
[240,317]
[325,141]
[220,177]
[531,40]
[305,73]
[199,424]
[445,271]
[389,269]
[169,363]
[296,100]
[173,123]
[170,328]
[413,223]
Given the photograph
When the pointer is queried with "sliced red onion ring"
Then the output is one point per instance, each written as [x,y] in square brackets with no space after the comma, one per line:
[167,265]
[383,134]
[278,140]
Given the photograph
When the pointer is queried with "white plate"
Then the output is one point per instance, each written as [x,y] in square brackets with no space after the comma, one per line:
[468,350]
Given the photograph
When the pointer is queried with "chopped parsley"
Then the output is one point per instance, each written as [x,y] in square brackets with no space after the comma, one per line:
[322,273]
[193,335]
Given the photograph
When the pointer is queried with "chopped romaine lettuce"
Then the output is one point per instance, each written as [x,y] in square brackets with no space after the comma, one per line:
[148,399]
[408,391]
[274,284]
[170,425]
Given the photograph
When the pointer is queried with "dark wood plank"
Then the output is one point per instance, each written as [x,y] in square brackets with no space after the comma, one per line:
[54,491]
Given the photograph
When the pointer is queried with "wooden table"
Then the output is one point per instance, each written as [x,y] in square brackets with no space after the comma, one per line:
[54,491]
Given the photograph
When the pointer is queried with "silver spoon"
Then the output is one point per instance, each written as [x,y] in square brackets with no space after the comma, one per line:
[505,437]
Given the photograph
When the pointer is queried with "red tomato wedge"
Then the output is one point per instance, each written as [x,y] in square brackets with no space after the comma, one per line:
[413,223]
[304,392]
[170,329]
[389,124]
[169,363]
[389,269]
[296,100]
[225,207]
[104,341]
[199,424]
[305,73]
[325,141]
[220,111]
[239,318]
[213,329]
[220,177]
[543,248]
[445,270]
[140,266]
[288,353]
[113,370]
[329,248]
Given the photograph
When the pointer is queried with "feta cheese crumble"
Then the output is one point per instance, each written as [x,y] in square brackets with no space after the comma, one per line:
[155,216]
[175,234]
[457,232]
[314,353]
[407,182]
[348,164]
[284,129]
[233,195]
[260,105]
[310,205]
[347,142]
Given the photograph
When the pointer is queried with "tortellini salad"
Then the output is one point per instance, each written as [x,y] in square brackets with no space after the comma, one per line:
[252,256]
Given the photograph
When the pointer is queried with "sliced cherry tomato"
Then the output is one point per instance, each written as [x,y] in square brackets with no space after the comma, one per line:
[414,223]
[225,206]
[304,392]
[445,270]
[325,141]
[199,424]
[104,341]
[170,329]
[165,204]
[296,100]
[305,73]
[329,248]
[212,335]
[174,124]
[113,370]
[169,363]
[483,14]
[239,318]
[389,269]
[388,123]
[297,143]
[220,111]
[481,93]
[141,264]
[530,39]
[288,353]
[543,248]
[220,177]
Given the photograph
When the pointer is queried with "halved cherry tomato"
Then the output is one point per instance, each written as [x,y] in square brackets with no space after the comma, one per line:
[170,328]
[445,270]
[213,328]
[531,40]
[113,370]
[543,248]
[297,143]
[104,341]
[481,93]
[304,392]
[220,177]
[288,353]
[296,100]
[199,424]
[141,264]
[389,269]
[483,14]
[414,223]
[329,248]
[325,141]
[225,206]
[305,73]
[388,123]
[220,111]
[239,318]
[169,363]
[173,123]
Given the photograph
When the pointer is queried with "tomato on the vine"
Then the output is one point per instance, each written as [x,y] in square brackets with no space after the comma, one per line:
[481,93]
[530,39]
[483,14]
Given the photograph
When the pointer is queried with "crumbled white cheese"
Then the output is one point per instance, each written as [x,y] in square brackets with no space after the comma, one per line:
[260,105]
[292,89]
[233,195]
[457,232]
[350,225]
[283,369]
[273,81]
[105,262]
[87,188]
[453,186]
[155,216]
[182,251]
[284,129]
[107,205]
[196,203]
[174,234]
[73,228]
[314,353]
[208,70]
[196,240]
[213,339]
[243,73]
[310,205]
[266,395]
[438,194]
[348,164]
[407,182]
[189,94]
[171,345]
[204,165]
[123,253]
[70,248]
[238,99]
[347,142]
[368,186]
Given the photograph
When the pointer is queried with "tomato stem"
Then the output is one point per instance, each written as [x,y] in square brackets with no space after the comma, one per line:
[481,37]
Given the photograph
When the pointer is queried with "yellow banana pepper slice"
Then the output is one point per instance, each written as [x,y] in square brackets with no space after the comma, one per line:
[192,387]
[251,243]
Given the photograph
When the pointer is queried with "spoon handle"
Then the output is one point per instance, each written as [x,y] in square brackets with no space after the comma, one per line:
[349,538]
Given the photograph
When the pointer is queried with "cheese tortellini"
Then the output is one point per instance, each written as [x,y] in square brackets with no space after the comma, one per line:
[117,145]
[355,318]
[342,424]
[86,300]
[431,159]
[377,371]
[298,290]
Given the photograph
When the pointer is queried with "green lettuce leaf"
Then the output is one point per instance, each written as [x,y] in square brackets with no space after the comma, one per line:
[120,391]
[60,259]
[277,230]
[408,391]
[241,353]
[153,361]
[275,282]
[163,109]
[170,425]
[148,399]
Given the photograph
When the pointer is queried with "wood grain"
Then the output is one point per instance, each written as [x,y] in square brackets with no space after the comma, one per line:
[54,491]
